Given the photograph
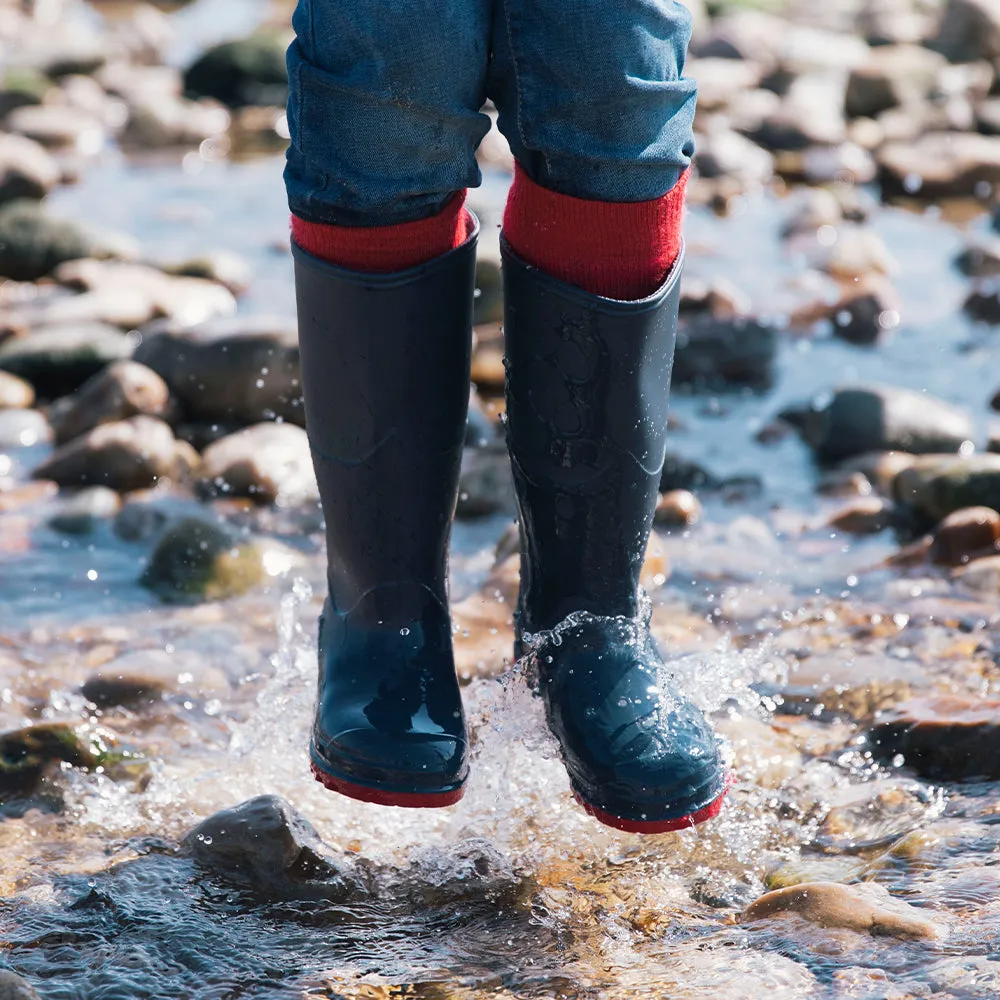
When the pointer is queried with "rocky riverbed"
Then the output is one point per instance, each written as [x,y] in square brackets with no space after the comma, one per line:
[825,569]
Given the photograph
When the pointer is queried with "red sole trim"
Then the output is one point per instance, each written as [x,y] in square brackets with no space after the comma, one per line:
[654,826]
[380,797]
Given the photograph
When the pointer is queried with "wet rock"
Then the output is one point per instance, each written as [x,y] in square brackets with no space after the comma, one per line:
[723,153]
[880,468]
[197,560]
[15,393]
[843,483]
[981,576]
[58,360]
[21,86]
[720,80]
[866,312]
[812,209]
[13,987]
[166,120]
[270,463]
[140,520]
[864,516]
[26,169]
[221,266]
[244,369]
[936,486]
[266,843]
[941,165]
[249,71]
[717,297]
[980,257]
[123,389]
[682,474]
[843,163]
[983,302]
[856,253]
[33,243]
[966,535]
[968,30]
[819,869]
[883,418]
[81,513]
[59,127]
[185,301]
[485,486]
[30,754]
[717,353]
[126,455]
[892,75]
[868,909]
[488,373]
[942,739]
[811,113]
[143,678]
[971,977]
[677,509]
[23,428]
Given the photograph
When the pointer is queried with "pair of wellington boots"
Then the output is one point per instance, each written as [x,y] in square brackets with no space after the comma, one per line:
[385,370]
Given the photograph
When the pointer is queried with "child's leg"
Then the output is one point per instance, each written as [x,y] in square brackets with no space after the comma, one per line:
[384,119]
[600,123]
[384,114]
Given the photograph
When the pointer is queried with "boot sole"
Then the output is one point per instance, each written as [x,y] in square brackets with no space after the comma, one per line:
[384,797]
[657,825]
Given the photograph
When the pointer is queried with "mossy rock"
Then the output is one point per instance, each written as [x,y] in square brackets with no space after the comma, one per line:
[250,71]
[199,561]
[33,244]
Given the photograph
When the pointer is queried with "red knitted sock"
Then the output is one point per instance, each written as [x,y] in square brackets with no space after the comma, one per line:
[621,250]
[385,249]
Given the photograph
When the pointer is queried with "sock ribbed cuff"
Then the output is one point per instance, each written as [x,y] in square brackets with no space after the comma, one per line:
[386,249]
[621,250]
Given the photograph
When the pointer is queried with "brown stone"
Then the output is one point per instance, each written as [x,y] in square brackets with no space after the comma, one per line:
[944,739]
[868,909]
[864,516]
[678,509]
[966,535]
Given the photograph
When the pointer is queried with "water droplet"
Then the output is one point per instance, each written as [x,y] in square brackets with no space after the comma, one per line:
[404,631]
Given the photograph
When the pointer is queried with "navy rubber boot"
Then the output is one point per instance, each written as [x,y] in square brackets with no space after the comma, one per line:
[588,381]
[385,372]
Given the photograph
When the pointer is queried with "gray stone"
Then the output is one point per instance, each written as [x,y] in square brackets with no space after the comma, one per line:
[221,266]
[248,71]
[58,360]
[267,844]
[969,30]
[485,486]
[721,80]
[13,987]
[197,560]
[15,393]
[166,120]
[983,301]
[858,252]
[717,353]
[268,462]
[123,389]
[862,419]
[127,455]
[892,75]
[26,169]
[724,153]
[23,428]
[82,512]
[244,369]
[980,257]
[810,114]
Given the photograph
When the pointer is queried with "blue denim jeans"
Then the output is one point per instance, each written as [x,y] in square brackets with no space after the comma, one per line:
[386,96]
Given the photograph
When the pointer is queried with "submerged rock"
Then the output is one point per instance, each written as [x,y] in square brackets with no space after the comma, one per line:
[81,513]
[868,909]
[883,418]
[122,390]
[243,369]
[266,843]
[248,71]
[200,561]
[943,739]
[13,987]
[269,462]
[126,455]
[58,360]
